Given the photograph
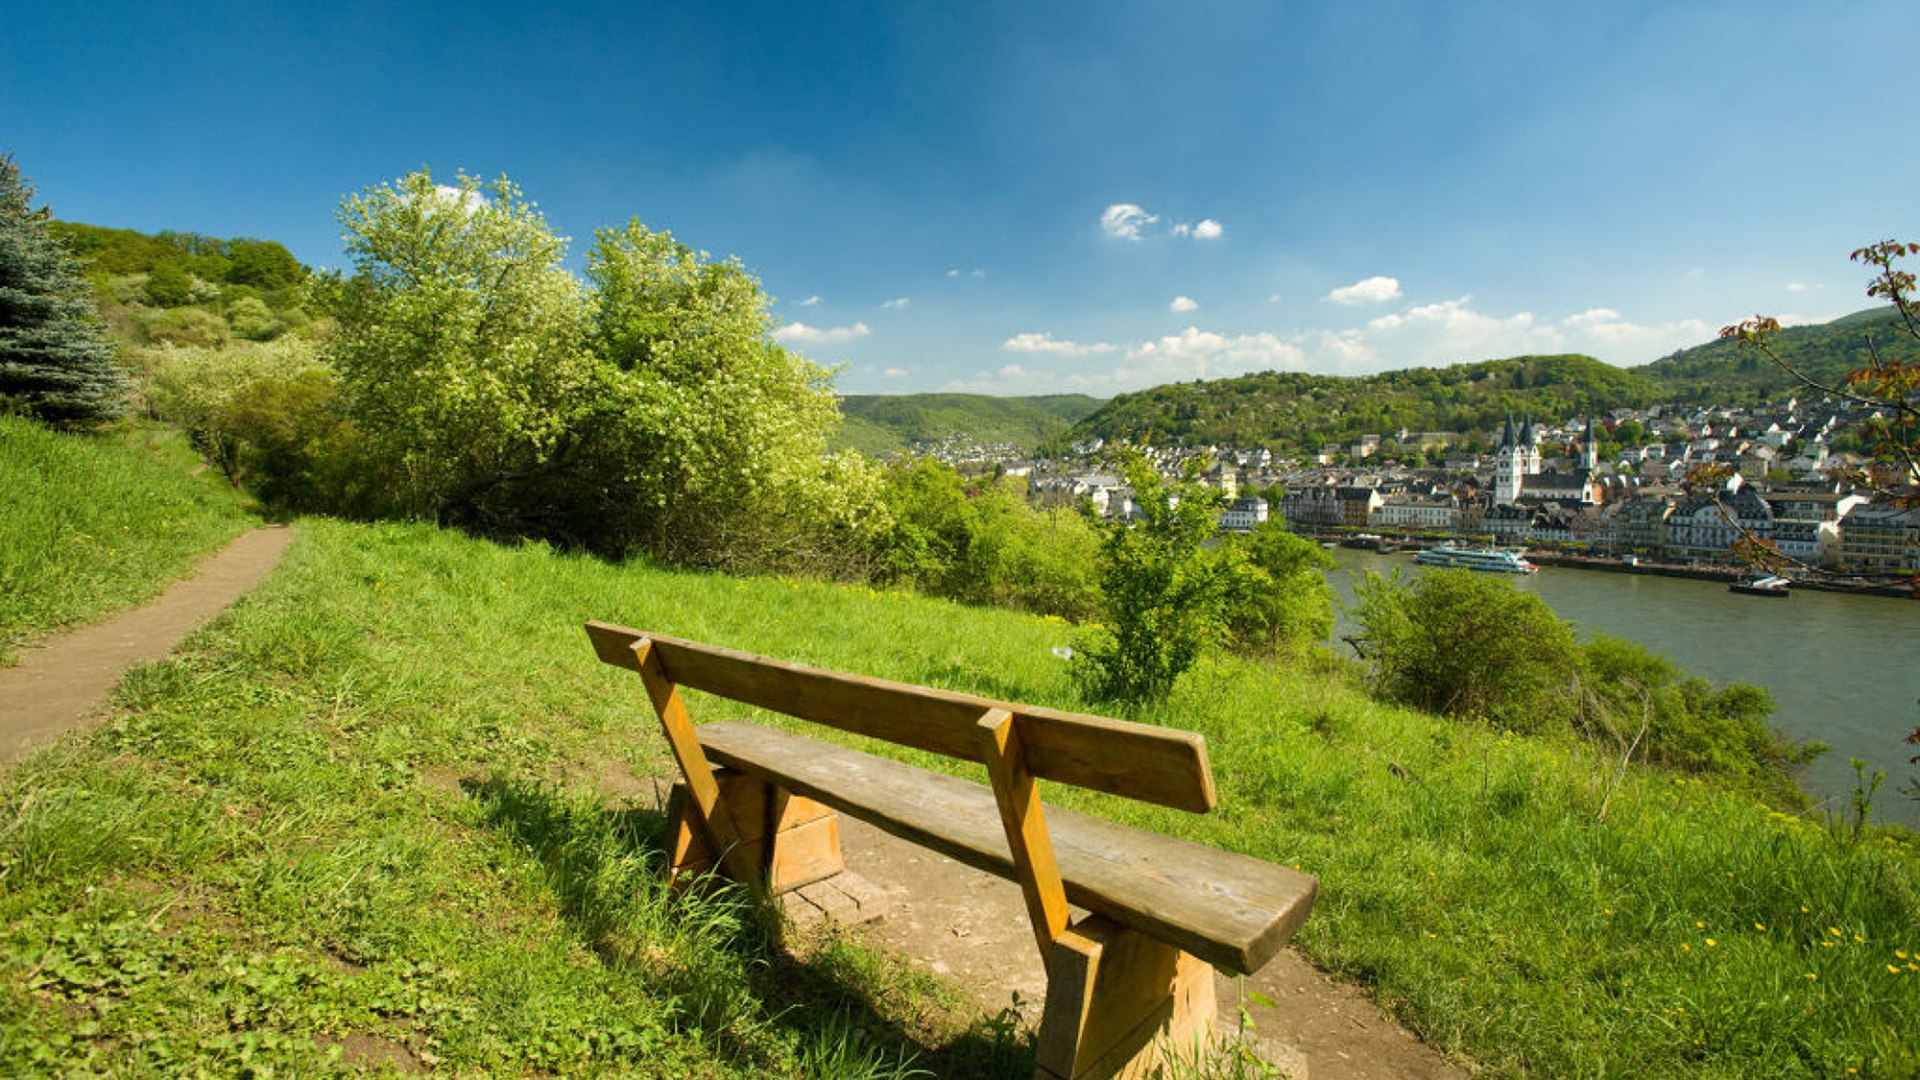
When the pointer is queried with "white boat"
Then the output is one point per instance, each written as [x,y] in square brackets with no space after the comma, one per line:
[1493,562]
[1768,585]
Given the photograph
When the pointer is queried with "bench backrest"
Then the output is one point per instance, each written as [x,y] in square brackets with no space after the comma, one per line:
[1136,761]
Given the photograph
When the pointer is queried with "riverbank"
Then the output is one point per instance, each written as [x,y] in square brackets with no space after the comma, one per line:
[1724,573]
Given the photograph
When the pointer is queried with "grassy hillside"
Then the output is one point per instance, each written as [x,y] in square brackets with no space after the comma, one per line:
[1722,371]
[1297,411]
[891,423]
[379,804]
[98,522]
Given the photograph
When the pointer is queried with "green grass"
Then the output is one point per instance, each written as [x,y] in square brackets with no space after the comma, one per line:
[362,806]
[93,523]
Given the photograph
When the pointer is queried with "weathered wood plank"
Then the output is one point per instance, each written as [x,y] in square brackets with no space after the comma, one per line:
[1230,910]
[1137,761]
[1025,823]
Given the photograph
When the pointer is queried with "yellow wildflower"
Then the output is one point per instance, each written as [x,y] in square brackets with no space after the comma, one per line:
[1760,926]
[1811,976]
[1699,925]
[1834,930]
[1684,947]
[1892,970]
[1711,943]
[1900,953]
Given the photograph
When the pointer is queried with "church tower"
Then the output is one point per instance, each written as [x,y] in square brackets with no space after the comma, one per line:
[1509,466]
[1529,447]
[1589,449]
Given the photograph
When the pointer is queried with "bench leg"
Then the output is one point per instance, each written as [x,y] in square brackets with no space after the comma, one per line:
[1119,1003]
[806,834]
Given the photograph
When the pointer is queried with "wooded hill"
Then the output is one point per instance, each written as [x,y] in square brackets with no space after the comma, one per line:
[1297,412]
[891,423]
[1294,411]
[1722,371]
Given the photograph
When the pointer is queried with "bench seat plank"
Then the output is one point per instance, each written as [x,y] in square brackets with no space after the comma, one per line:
[1230,910]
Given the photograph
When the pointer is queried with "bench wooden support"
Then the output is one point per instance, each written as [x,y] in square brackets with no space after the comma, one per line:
[1127,985]
[805,835]
[1120,1003]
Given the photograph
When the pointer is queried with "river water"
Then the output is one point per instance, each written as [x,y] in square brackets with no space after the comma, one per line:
[1844,670]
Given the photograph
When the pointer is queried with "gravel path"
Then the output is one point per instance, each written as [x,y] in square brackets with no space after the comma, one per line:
[62,681]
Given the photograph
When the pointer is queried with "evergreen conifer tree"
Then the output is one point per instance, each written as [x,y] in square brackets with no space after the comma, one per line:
[55,360]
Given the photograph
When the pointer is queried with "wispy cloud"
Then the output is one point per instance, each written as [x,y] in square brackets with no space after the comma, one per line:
[1204,229]
[1046,343]
[1373,290]
[976,272]
[810,301]
[1273,298]
[1123,221]
[1184,303]
[896,373]
[897,303]
[797,333]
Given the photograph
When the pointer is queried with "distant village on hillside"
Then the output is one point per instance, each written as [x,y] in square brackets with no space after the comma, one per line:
[1547,484]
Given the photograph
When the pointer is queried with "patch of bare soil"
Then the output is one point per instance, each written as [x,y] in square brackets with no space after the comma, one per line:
[63,680]
[971,928]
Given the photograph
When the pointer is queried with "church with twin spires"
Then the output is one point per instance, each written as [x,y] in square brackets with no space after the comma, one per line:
[1518,457]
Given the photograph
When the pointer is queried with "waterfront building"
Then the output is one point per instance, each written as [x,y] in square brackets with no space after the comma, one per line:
[1357,505]
[1707,526]
[1880,539]
[1409,512]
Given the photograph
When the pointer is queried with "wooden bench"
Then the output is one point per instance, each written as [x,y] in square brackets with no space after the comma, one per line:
[1124,983]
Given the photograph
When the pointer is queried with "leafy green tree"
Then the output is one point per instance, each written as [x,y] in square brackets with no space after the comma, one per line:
[1283,603]
[1166,593]
[653,408]
[169,285]
[55,361]
[263,264]
[1469,645]
[460,344]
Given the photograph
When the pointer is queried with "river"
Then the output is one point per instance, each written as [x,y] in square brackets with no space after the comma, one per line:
[1843,670]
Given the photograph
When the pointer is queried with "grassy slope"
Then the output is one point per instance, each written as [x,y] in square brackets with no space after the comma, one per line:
[98,522]
[359,805]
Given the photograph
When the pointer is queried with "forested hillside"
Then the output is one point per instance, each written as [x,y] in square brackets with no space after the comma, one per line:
[1721,371]
[183,288]
[889,423]
[1296,411]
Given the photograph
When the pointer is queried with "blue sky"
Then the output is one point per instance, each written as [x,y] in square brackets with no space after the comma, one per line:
[1030,197]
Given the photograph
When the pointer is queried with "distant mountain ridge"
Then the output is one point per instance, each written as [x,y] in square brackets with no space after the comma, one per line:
[893,423]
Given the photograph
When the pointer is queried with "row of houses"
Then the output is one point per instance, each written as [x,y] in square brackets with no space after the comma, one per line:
[1817,526]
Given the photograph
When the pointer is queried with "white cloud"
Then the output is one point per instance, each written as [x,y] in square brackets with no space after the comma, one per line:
[802,334]
[1697,272]
[953,271]
[1184,303]
[1031,342]
[895,373]
[897,303]
[1123,221]
[1800,286]
[1207,229]
[1373,290]
[1191,354]
[1273,298]
[1452,331]
[810,301]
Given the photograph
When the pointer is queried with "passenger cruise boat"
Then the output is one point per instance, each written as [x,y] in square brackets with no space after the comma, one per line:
[1494,562]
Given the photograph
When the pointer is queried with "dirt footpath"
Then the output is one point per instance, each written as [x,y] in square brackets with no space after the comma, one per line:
[971,927]
[64,680]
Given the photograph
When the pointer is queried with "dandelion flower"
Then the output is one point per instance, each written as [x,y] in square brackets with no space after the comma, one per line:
[1699,925]
[1900,953]
[1834,930]
[1760,926]
[1805,910]
[1892,970]
[1811,977]
[1684,947]
[1711,943]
